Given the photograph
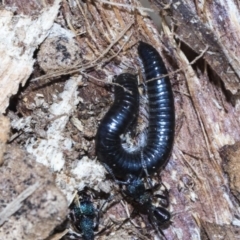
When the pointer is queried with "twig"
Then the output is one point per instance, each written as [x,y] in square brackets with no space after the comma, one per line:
[127,6]
[180,69]
[58,236]
[101,80]
[15,135]
[187,163]
[112,44]
[128,215]
[116,54]
[91,64]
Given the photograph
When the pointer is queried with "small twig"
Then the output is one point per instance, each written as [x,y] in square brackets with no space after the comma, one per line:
[56,117]
[113,43]
[72,198]
[187,163]
[67,17]
[88,65]
[16,204]
[103,81]
[88,24]
[15,135]
[107,60]
[127,6]
[58,236]
[180,69]
[183,93]
[128,215]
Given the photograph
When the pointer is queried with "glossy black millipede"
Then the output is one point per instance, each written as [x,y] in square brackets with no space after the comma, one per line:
[124,111]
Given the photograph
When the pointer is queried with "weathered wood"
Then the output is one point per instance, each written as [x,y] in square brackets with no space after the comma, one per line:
[20,36]
[210,114]
[212,24]
[96,40]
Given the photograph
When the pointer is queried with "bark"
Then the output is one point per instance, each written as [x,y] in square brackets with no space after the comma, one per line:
[214,25]
[77,48]
[20,36]
[209,111]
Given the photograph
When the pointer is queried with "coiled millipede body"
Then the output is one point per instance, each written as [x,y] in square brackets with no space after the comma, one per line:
[124,111]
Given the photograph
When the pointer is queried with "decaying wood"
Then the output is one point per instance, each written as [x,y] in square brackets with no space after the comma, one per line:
[20,37]
[4,135]
[16,204]
[55,117]
[212,24]
[230,154]
[31,204]
[216,232]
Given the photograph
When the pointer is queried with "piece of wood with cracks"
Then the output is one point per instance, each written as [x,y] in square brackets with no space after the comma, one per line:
[90,43]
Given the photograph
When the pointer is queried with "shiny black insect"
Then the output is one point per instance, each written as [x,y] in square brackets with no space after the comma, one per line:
[124,111]
[136,190]
[142,199]
[84,216]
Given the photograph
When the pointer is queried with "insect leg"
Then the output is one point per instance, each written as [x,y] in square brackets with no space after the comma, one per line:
[114,178]
[144,166]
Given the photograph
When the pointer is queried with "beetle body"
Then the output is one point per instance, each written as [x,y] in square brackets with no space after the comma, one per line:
[142,197]
[85,216]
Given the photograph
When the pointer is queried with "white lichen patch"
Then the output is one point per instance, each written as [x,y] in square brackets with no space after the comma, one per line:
[49,151]
[85,173]
[57,31]
[22,123]
[236,222]
[90,172]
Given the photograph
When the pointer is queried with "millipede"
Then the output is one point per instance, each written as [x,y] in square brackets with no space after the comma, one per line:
[124,111]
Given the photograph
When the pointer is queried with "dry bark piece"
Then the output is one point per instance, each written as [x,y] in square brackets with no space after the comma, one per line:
[59,51]
[4,134]
[206,120]
[211,231]
[19,38]
[231,164]
[42,210]
[204,129]
[197,33]
[31,8]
